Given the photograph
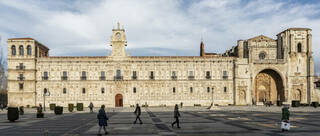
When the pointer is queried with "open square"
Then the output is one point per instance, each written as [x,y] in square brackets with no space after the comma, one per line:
[233,120]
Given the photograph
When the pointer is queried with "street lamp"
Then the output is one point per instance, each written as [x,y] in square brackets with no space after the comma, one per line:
[45,93]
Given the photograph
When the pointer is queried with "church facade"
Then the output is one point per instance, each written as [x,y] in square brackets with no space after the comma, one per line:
[256,69]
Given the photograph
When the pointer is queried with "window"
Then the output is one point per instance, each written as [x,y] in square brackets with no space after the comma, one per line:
[102,90]
[262,56]
[191,90]
[21,51]
[190,73]
[45,75]
[299,47]
[191,76]
[134,75]
[225,89]
[118,73]
[151,75]
[64,75]
[20,86]
[21,67]
[64,90]
[225,74]
[13,50]
[174,90]
[208,75]
[84,77]
[21,77]
[103,75]
[83,90]
[174,75]
[134,90]
[29,50]
[208,89]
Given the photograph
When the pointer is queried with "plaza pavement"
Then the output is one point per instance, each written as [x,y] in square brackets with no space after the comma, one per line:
[231,120]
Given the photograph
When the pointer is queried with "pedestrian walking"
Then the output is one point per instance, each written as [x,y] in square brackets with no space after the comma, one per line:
[176,115]
[285,124]
[1,107]
[138,113]
[91,107]
[102,117]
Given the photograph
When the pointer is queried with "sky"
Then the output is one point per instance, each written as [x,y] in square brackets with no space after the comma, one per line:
[154,27]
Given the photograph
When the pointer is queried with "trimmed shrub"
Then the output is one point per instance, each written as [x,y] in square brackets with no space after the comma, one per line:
[79,106]
[196,105]
[13,113]
[52,105]
[279,103]
[58,110]
[70,107]
[40,115]
[315,104]
[295,103]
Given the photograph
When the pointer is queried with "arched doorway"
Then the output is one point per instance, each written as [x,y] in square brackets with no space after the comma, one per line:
[119,100]
[269,87]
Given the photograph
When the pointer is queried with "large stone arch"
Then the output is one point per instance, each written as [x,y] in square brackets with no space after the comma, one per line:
[269,85]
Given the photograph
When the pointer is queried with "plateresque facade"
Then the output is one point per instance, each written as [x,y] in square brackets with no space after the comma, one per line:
[256,69]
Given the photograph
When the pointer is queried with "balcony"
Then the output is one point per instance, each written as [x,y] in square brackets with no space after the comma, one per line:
[45,78]
[83,78]
[20,67]
[224,77]
[117,78]
[269,61]
[134,77]
[208,77]
[20,78]
[191,77]
[64,78]
[102,78]
[151,77]
[174,77]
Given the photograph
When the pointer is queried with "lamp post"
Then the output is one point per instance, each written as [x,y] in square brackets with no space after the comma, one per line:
[45,93]
[213,106]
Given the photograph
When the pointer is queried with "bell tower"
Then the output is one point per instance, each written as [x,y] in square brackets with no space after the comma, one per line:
[118,42]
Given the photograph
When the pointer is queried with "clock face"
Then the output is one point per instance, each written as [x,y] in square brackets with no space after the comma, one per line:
[118,35]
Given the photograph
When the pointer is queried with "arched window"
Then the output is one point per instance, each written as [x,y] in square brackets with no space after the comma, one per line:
[262,56]
[21,51]
[13,50]
[29,50]
[299,47]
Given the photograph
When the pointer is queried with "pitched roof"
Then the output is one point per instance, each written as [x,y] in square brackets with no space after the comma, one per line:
[261,37]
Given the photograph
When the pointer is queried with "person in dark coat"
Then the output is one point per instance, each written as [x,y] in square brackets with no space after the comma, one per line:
[138,113]
[102,117]
[285,114]
[176,115]
[91,107]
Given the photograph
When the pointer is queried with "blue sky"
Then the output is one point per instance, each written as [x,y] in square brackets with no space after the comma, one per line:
[154,27]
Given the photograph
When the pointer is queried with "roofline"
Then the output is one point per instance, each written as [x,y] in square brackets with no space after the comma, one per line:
[28,38]
[295,28]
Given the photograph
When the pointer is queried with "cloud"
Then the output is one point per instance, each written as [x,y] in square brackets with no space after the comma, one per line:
[162,27]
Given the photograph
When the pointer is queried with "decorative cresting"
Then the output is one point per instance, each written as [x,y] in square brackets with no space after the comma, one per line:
[118,42]
[269,87]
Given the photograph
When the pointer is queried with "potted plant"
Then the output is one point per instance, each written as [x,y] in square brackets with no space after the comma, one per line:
[52,105]
[79,106]
[70,107]
[315,104]
[13,113]
[58,110]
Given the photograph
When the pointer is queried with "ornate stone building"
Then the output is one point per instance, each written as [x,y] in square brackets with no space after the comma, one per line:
[259,68]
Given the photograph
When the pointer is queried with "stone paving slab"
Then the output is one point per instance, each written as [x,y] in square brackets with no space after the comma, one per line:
[158,122]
